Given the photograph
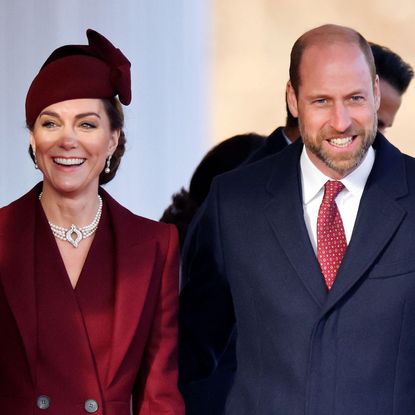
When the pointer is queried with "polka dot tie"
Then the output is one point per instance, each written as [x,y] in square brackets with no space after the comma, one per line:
[331,240]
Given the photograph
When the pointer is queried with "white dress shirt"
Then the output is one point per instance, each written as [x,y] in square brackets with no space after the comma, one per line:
[348,200]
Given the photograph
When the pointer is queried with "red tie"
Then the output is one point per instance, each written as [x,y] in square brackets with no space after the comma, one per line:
[331,240]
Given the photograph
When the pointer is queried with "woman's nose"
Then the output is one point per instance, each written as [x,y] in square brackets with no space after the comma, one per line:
[68,138]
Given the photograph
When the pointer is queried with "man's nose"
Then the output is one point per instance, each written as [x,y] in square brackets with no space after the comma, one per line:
[340,118]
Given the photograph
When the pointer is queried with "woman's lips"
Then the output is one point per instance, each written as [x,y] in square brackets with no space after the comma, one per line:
[72,161]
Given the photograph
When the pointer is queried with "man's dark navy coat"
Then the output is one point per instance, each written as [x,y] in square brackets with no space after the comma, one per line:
[300,349]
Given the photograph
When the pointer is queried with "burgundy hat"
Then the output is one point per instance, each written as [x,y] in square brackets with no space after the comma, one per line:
[96,70]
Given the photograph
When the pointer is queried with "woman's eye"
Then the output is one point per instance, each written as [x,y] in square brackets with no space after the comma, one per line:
[48,124]
[88,125]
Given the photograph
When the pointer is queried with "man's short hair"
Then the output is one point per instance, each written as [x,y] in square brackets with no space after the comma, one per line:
[392,68]
[327,34]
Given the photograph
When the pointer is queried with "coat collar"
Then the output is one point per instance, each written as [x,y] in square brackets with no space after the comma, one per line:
[378,218]
[17,239]
[386,184]
[285,214]
[135,255]
[277,139]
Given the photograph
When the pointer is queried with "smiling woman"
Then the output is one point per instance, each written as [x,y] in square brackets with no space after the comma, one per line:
[72,141]
[88,307]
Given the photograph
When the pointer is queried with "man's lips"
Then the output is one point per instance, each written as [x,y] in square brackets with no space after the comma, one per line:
[341,142]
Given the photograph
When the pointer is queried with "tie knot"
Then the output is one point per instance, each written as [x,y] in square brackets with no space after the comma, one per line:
[332,189]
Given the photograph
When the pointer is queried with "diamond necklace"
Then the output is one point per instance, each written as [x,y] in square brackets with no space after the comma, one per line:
[67,234]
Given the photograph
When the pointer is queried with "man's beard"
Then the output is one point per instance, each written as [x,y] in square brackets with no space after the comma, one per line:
[348,162]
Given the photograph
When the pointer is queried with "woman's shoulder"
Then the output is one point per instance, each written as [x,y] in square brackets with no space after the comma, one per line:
[19,209]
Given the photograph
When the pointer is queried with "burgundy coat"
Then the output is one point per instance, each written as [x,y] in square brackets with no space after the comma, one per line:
[144,338]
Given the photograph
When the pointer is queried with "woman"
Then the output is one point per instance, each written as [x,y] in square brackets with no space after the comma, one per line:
[88,291]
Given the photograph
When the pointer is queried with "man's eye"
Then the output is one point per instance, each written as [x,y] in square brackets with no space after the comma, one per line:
[357,98]
[320,101]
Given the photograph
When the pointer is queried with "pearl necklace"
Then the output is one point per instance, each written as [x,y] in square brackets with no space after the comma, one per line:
[67,234]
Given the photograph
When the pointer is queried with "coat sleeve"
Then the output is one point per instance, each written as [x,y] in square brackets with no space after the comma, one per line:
[158,389]
[206,317]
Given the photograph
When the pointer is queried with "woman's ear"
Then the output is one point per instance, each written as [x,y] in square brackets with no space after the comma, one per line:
[115,136]
[32,142]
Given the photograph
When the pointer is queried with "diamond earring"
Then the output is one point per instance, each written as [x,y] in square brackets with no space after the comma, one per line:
[107,169]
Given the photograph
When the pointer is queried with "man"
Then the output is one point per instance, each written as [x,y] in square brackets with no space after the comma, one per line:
[322,329]
[395,76]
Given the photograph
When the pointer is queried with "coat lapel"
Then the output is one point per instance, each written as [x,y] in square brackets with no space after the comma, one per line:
[133,274]
[378,218]
[285,214]
[135,260]
[17,235]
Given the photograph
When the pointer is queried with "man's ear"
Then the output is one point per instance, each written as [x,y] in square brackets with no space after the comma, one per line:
[291,100]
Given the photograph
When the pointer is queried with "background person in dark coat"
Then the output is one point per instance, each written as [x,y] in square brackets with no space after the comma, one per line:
[395,76]
[208,396]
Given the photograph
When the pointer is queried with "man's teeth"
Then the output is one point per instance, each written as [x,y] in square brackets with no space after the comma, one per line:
[341,142]
[69,162]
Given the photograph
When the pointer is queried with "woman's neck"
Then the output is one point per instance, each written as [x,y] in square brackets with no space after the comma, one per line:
[67,209]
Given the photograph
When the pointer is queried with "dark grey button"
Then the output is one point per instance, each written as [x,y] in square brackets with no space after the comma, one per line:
[43,402]
[91,406]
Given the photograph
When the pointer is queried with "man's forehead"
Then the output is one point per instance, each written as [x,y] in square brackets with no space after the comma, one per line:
[335,68]
[329,54]
[330,46]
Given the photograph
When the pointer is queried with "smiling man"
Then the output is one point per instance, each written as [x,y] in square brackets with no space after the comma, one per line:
[310,254]
[395,75]
[334,92]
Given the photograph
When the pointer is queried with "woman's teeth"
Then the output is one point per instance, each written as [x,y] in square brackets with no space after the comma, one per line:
[69,162]
[341,142]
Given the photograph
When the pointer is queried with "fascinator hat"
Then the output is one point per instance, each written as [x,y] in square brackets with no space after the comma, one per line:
[96,70]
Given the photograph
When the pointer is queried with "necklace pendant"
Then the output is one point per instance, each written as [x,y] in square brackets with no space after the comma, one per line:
[69,236]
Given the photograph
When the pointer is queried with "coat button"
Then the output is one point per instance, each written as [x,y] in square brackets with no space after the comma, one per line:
[91,406]
[43,402]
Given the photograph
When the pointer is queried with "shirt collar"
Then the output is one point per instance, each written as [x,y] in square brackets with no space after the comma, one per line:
[313,180]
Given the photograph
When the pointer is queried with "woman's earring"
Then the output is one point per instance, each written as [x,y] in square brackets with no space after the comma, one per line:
[107,169]
[35,159]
